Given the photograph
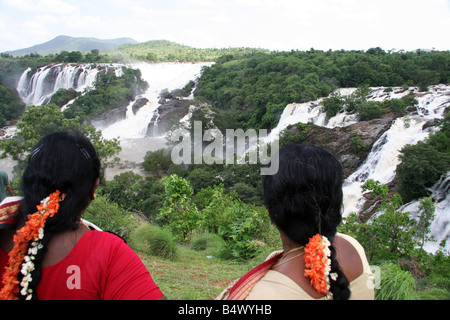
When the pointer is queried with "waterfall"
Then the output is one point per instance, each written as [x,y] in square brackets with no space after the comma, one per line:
[311,112]
[159,76]
[36,87]
[440,227]
[383,159]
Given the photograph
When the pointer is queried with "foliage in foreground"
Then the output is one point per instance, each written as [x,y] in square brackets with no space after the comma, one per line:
[154,240]
[394,241]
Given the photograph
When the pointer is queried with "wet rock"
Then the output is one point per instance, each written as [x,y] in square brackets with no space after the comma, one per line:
[167,114]
[138,104]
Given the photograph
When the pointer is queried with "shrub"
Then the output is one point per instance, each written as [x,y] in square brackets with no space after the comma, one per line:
[333,105]
[243,235]
[214,204]
[178,213]
[421,166]
[368,110]
[154,240]
[111,217]
[357,144]
[211,243]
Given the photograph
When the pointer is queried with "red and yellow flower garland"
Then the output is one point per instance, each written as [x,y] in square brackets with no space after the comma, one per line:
[31,231]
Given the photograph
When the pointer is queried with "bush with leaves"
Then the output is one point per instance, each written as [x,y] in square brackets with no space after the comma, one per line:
[109,216]
[424,163]
[214,204]
[11,106]
[391,234]
[178,212]
[157,162]
[209,243]
[38,121]
[243,236]
[154,240]
[395,238]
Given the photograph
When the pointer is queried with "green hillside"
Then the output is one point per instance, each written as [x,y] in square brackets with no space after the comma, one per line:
[66,43]
[164,51]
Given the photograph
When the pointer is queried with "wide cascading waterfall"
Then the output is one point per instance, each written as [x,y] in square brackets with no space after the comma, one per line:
[36,87]
[132,131]
[383,159]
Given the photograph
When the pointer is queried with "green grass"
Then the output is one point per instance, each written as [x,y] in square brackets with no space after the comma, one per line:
[192,275]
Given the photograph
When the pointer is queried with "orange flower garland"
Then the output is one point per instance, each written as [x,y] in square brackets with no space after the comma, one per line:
[31,231]
[318,264]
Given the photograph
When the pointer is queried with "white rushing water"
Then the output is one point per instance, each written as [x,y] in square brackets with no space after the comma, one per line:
[36,87]
[132,131]
[160,76]
[440,227]
[383,159]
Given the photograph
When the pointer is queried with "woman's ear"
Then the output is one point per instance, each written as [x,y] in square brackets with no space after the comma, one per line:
[94,187]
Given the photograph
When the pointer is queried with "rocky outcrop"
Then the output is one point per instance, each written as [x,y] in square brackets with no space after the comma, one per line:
[138,104]
[110,117]
[169,112]
[117,114]
[350,145]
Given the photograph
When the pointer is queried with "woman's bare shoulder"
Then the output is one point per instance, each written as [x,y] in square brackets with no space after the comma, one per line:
[348,256]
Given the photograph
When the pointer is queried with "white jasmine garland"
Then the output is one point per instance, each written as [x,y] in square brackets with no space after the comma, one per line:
[28,265]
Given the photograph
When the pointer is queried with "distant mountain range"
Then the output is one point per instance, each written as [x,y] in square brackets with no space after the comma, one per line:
[66,43]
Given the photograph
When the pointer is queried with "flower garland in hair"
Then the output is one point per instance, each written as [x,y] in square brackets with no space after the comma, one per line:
[21,260]
[318,264]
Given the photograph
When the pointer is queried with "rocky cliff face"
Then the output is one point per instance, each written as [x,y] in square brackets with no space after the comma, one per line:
[168,113]
[350,145]
[112,116]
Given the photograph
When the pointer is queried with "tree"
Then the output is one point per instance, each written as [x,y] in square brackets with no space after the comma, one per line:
[157,162]
[178,213]
[421,166]
[333,105]
[426,216]
[393,234]
[74,56]
[11,106]
[38,121]
[214,204]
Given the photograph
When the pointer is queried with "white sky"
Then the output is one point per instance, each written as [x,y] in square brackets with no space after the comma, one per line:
[270,24]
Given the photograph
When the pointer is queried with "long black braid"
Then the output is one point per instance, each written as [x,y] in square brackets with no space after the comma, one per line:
[61,161]
[305,197]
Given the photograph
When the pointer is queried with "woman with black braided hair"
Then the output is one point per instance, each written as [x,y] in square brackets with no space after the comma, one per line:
[46,252]
[304,200]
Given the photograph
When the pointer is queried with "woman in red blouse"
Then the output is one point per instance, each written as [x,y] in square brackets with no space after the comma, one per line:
[64,259]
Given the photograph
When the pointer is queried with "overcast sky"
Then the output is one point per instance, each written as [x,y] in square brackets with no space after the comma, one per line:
[271,24]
